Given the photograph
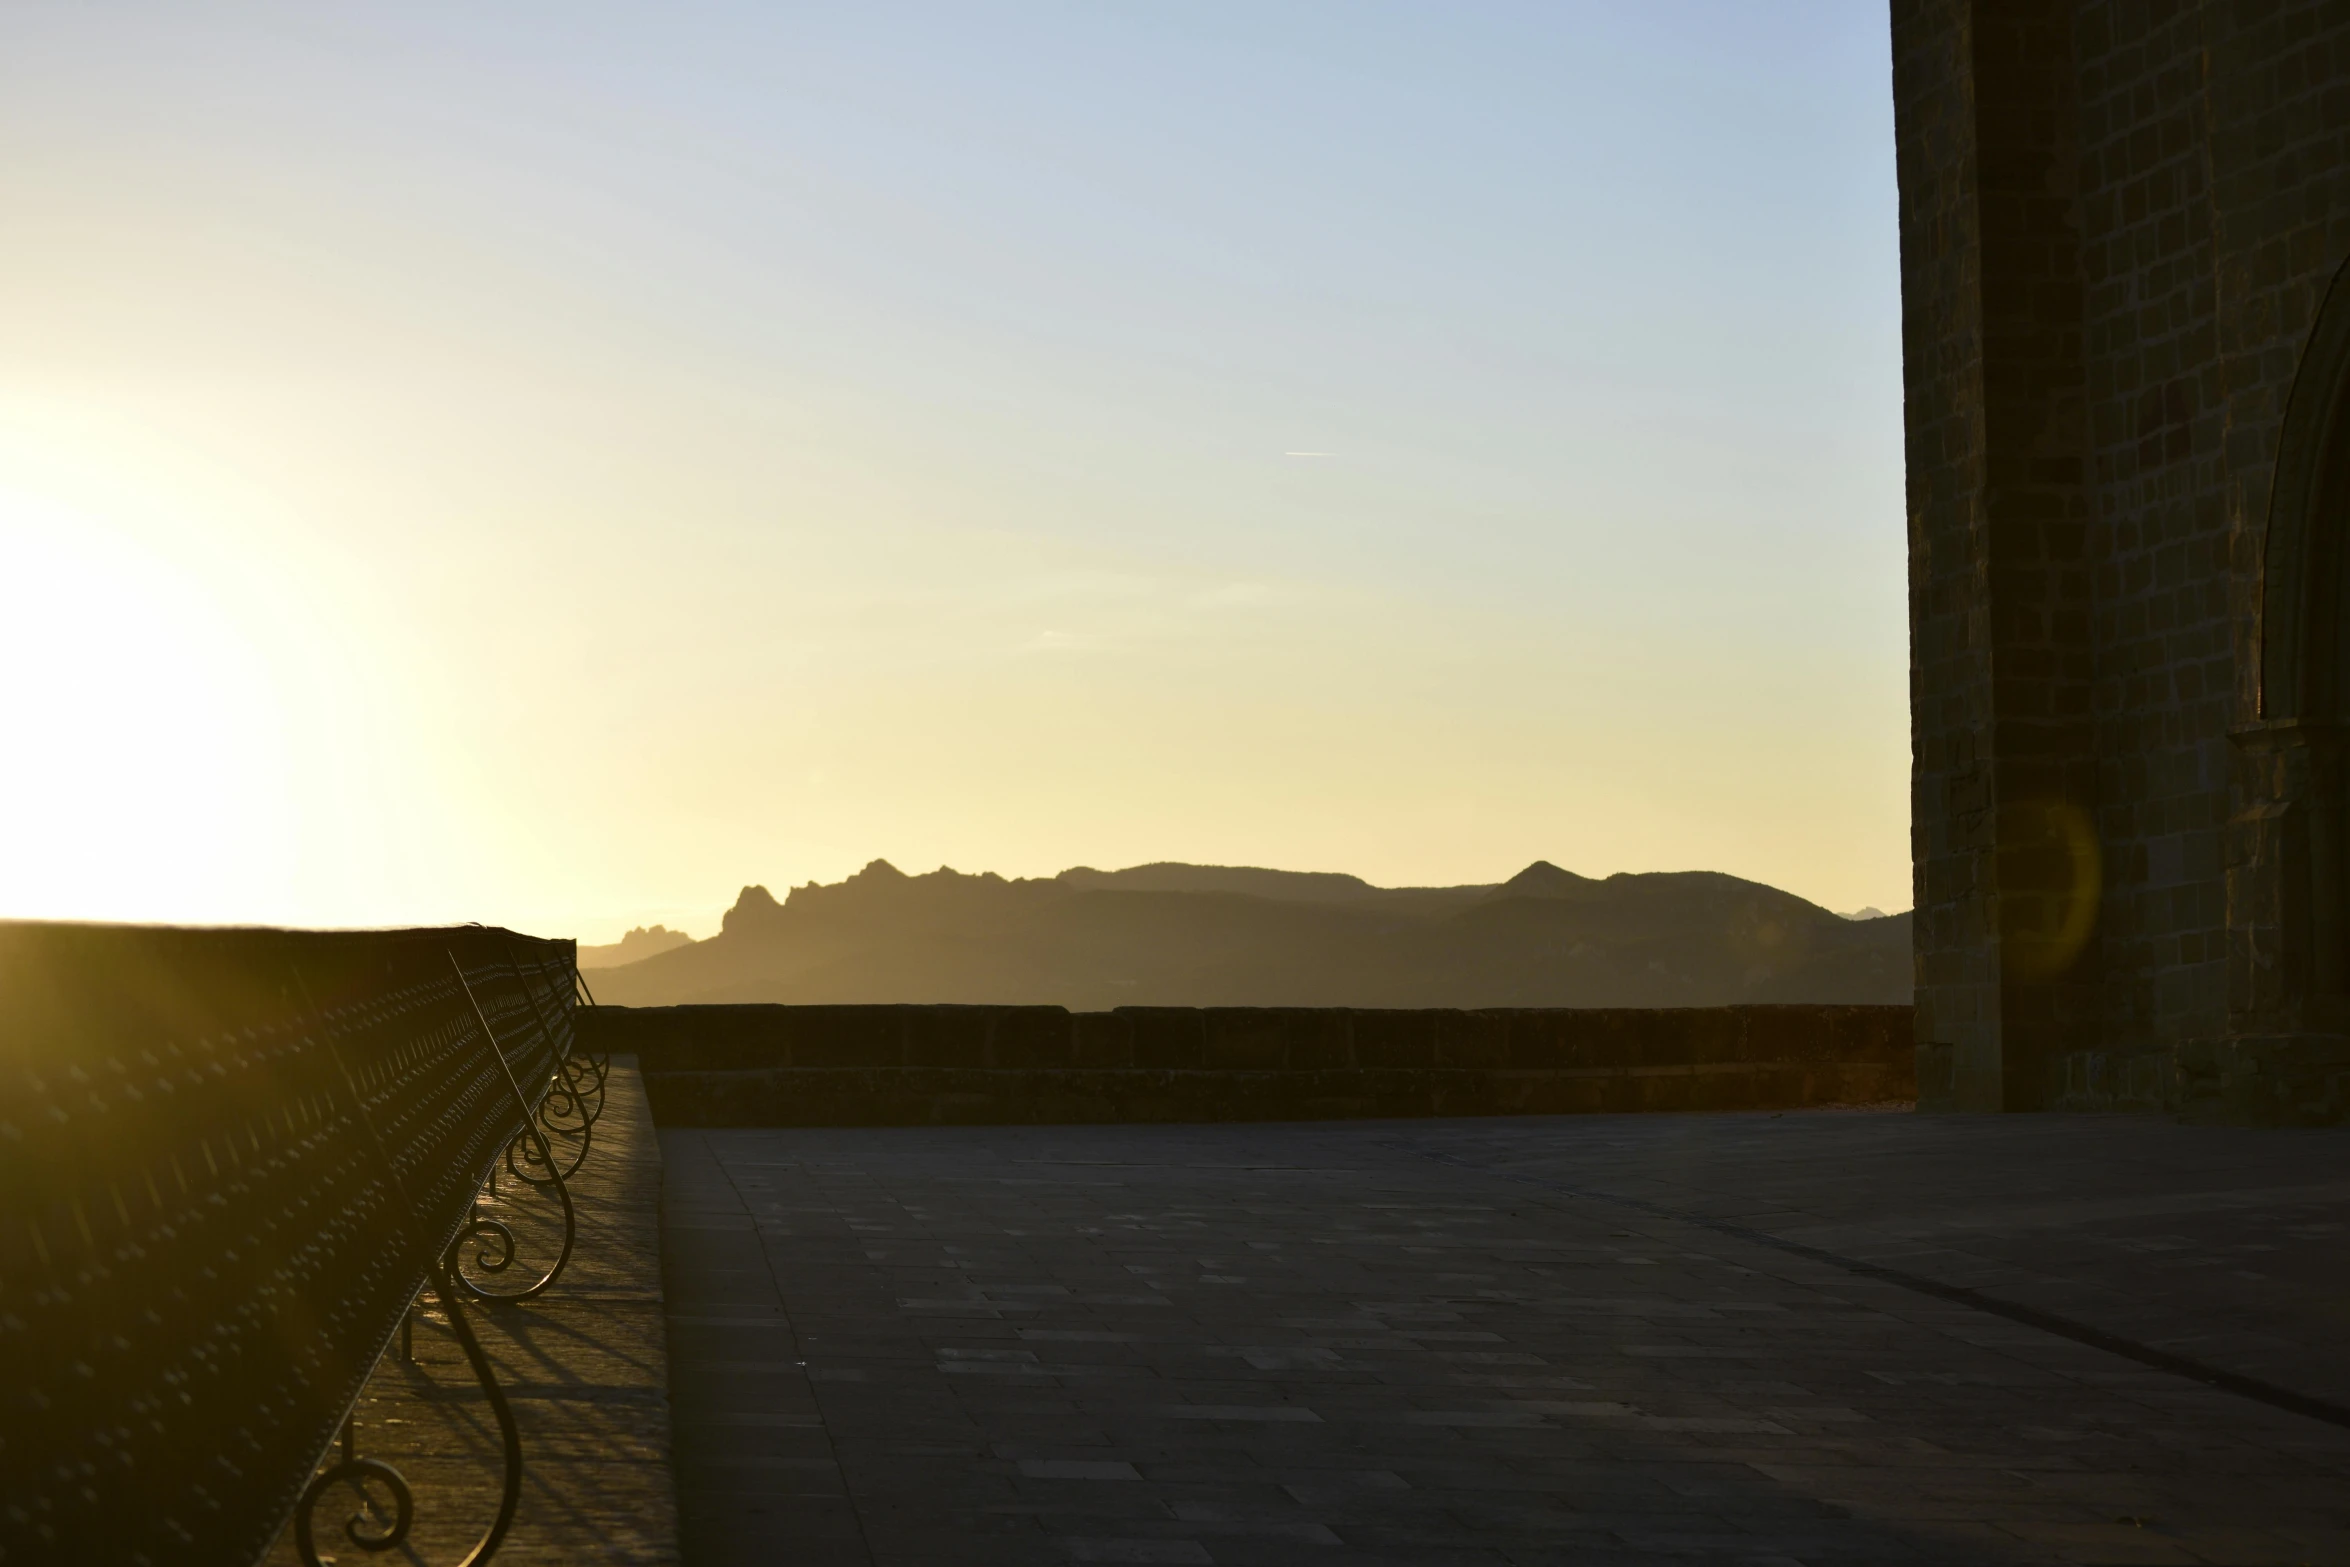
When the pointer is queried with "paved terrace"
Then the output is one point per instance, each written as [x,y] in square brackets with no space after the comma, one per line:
[1510,1341]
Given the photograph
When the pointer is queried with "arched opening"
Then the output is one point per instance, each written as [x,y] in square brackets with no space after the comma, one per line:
[2289,875]
[2304,587]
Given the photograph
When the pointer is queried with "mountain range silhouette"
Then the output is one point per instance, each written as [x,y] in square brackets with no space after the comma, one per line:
[1211,935]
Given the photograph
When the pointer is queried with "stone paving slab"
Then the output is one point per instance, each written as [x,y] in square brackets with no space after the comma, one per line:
[1458,1342]
[585,1365]
[2231,1245]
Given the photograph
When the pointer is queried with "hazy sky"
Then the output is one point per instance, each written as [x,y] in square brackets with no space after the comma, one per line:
[555,464]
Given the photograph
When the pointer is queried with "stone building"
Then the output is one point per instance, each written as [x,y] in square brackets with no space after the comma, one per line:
[2127,347]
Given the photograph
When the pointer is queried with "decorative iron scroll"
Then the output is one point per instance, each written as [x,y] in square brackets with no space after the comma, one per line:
[353,1469]
[228,1162]
[540,1057]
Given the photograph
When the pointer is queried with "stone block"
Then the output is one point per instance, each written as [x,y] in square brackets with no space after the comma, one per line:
[849,1036]
[1394,1039]
[1693,1036]
[1454,1092]
[1541,1037]
[1472,1039]
[947,1036]
[1102,1039]
[1167,1037]
[1030,1037]
[1250,1038]
[697,1038]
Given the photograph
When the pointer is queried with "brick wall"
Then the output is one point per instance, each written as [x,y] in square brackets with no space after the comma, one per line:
[2165,663]
[2035,513]
[2127,213]
[2000,544]
[1949,601]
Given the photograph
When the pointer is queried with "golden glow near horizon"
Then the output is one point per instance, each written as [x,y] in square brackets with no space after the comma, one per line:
[555,473]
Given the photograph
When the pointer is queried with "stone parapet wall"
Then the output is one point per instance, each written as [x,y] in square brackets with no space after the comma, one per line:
[938,1065]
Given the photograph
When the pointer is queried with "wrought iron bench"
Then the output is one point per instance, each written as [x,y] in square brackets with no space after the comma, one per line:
[230,1162]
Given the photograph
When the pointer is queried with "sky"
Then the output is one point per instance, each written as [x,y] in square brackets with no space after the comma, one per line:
[556,464]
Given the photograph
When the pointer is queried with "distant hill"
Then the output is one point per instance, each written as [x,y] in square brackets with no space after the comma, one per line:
[645,941]
[1209,935]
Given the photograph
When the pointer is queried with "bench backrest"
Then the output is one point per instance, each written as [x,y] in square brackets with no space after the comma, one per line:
[227,1161]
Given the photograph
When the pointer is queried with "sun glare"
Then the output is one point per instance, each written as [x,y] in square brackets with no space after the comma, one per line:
[145,768]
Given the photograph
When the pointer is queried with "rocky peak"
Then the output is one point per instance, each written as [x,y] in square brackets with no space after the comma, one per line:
[754,908]
[1543,880]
